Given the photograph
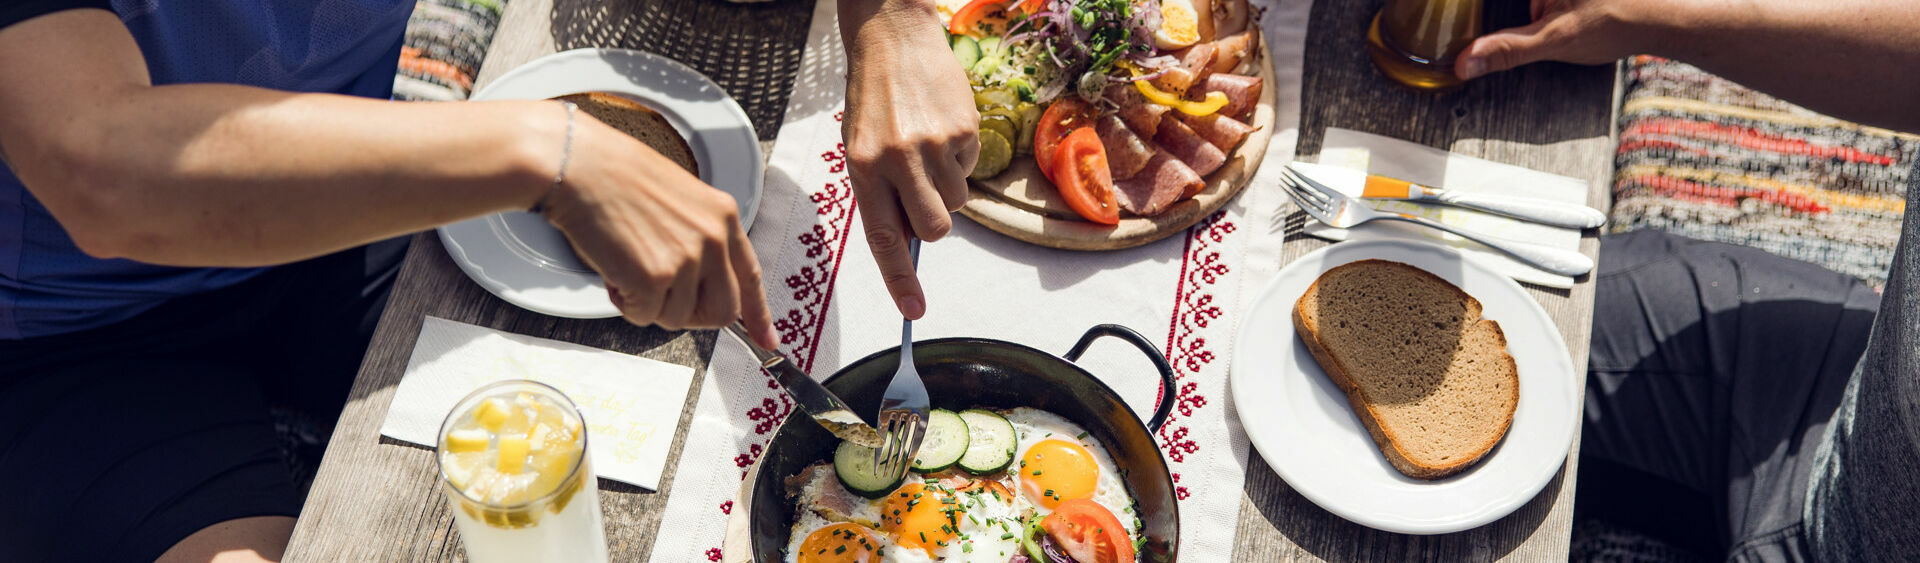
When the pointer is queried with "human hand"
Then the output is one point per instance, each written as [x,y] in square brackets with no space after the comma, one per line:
[1574,31]
[911,133]
[670,248]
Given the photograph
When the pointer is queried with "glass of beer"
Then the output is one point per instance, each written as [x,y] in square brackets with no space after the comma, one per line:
[514,467]
[1415,42]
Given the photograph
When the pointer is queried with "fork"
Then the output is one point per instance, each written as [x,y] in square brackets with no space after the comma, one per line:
[903,409]
[1340,211]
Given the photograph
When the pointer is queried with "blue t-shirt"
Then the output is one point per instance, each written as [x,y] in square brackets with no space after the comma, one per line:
[47,285]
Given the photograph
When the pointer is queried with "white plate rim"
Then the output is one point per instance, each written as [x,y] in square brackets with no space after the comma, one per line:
[1548,378]
[477,246]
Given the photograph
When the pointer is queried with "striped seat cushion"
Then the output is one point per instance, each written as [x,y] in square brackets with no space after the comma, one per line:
[1706,158]
[446,41]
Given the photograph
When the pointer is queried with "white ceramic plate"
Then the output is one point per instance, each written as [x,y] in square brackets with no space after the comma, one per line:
[524,260]
[1301,423]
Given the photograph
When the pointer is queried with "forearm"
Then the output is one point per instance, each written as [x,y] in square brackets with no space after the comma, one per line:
[875,31]
[219,175]
[1853,59]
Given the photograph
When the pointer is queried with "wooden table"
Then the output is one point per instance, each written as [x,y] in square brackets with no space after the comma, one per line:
[375,498]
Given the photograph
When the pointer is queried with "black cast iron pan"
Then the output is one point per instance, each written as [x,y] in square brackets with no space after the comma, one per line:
[963,373]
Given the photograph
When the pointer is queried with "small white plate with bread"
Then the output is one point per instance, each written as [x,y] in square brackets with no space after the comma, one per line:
[674,109]
[1405,387]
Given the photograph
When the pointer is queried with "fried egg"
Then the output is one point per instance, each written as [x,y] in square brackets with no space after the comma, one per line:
[1057,461]
[951,515]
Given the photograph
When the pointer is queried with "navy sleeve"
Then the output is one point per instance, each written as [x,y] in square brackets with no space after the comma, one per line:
[16,11]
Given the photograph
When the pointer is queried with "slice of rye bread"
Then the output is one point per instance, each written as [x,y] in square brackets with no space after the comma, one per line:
[1432,381]
[641,122]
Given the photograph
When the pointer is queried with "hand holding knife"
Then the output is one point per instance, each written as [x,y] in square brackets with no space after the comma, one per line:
[1551,213]
[819,403]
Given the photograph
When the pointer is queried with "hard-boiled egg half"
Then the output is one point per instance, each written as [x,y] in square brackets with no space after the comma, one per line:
[1179,25]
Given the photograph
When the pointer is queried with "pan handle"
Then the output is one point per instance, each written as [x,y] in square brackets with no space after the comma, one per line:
[1168,390]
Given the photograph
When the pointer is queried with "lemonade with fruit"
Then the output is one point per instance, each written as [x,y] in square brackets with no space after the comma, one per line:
[514,466]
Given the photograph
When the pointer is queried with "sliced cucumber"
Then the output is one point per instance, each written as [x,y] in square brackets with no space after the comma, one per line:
[946,441]
[989,46]
[853,463]
[990,439]
[1021,87]
[995,154]
[966,50]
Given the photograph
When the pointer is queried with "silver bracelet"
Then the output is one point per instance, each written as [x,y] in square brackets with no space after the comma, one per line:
[566,155]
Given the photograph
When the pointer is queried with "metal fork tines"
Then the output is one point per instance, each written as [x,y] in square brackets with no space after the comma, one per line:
[903,409]
[1341,211]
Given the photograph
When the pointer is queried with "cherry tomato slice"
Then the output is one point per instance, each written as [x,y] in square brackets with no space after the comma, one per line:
[1080,172]
[1062,117]
[1088,532]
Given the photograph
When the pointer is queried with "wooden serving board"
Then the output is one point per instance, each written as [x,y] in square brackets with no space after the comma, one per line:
[1022,204]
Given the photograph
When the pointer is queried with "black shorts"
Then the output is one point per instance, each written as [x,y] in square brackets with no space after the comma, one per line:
[118,442]
[1713,374]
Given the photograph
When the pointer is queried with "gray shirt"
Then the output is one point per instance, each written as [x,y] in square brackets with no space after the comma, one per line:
[1863,502]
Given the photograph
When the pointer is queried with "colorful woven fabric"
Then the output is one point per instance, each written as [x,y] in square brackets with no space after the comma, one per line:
[1706,158]
[446,41]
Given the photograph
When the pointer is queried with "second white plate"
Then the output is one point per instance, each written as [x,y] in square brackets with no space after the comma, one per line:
[1302,425]
[523,259]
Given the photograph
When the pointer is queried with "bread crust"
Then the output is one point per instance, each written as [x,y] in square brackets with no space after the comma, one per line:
[1383,437]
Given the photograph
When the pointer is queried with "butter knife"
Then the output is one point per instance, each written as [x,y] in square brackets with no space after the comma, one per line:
[1551,213]
[819,403]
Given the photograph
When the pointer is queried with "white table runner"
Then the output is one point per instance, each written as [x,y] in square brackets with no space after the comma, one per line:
[831,308]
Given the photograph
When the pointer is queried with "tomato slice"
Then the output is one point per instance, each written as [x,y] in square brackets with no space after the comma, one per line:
[1080,172]
[1088,532]
[1063,116]
[968,17]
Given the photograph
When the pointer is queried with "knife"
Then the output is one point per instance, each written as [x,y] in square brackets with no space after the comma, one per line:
[1552,213]
[819,403]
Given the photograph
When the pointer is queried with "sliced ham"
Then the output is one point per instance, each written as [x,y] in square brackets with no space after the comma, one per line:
[1161,184]
[1140,115]
[1229,16]
[1242,92]
[1181,142]
[1232,50]
[1176,80]
[1222,131]
[1127,153]
[1198,60]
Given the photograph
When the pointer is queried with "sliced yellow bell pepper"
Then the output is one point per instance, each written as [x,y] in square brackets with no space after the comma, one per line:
[1213,103]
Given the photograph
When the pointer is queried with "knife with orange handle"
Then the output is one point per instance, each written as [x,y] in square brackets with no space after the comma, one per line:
[1551,213]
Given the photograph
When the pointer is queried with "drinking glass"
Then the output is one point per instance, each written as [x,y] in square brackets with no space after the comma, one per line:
[1415,42]
[515,470]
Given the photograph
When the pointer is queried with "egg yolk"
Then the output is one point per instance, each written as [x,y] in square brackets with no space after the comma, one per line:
[921,517]
[845,542]
[1055,471]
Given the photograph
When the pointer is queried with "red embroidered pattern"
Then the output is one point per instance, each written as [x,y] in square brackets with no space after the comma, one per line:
[1193,309]
[812,293]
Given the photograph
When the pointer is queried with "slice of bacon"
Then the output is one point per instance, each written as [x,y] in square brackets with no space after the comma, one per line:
[1181,142]
[1222,131]
[1242,92]
[1233,50]
[1127,153]
[1161,184]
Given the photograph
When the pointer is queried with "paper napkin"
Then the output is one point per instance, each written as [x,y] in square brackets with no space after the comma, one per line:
[1430,166]
[631,404]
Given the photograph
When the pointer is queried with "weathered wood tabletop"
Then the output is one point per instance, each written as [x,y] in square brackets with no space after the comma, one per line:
[375,498]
